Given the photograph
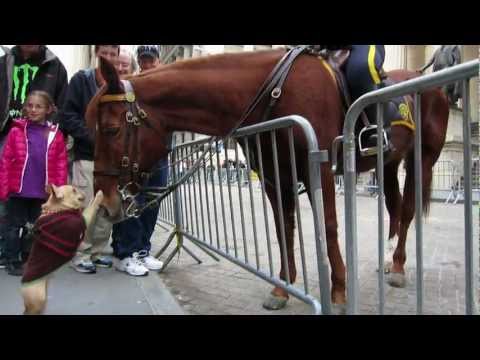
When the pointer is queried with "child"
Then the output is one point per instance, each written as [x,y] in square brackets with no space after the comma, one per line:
[34,156]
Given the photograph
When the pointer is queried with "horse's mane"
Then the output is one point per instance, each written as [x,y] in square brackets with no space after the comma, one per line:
[214,61]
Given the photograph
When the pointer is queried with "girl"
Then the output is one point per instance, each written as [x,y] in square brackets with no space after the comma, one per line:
[34,156]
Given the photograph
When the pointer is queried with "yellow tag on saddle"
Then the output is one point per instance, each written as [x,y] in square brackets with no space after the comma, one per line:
[406,114]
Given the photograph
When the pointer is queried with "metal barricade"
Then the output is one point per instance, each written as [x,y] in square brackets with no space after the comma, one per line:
[225,210]
[463,73]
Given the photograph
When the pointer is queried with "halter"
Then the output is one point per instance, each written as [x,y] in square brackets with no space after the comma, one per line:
[129,173]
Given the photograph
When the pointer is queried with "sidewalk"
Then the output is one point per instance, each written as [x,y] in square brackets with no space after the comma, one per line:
[108,292]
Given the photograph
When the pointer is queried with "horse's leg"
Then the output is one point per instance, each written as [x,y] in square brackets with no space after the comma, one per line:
[397,275]
[278,297]
[338,294]
[393,201]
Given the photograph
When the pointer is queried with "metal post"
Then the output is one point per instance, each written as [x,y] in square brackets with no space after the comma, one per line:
[351,221]
[467,176]
[418,201]
[281,219]
[297,206]
[264,201]
[315,159]
[381,200]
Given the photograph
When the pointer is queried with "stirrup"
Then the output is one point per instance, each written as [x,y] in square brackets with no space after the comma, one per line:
[364,138]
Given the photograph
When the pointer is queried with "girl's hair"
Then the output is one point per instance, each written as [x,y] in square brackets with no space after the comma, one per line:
[47,99]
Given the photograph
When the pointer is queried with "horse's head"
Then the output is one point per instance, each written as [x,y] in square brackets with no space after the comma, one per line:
[127,145]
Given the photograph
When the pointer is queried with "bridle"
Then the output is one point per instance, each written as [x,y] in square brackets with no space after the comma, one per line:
[129,174]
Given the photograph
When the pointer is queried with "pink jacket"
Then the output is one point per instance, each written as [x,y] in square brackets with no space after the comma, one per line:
[14,157]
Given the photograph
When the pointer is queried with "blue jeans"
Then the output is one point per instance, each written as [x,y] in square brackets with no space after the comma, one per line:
[20,211]
[133,235]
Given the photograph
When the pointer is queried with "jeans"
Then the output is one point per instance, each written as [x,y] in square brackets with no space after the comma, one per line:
[20,211]
[133,235]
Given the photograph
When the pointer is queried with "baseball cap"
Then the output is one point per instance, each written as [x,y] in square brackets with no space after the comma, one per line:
[147,50]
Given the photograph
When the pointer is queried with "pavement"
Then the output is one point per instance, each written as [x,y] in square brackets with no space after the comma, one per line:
[108,292]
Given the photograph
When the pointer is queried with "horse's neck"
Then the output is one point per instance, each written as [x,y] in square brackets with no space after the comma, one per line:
[208,100]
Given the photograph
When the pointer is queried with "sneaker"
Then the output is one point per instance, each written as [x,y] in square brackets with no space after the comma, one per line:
[84,266]
[132,266]
[14,268]
[151,263]
[103,262]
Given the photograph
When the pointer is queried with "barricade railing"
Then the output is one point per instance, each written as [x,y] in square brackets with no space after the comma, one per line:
[463,72]
[225,210]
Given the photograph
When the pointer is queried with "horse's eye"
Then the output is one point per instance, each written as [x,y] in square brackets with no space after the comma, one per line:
[111,131]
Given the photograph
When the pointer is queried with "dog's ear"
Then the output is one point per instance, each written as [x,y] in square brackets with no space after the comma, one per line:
[54,192]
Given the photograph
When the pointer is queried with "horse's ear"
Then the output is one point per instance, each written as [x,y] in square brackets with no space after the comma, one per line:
[110,75]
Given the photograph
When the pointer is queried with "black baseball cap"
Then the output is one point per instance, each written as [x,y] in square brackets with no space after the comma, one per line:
[148,50]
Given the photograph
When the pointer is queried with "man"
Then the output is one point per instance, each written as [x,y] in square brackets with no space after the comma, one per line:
[83,86]
[126,63]
[148,57]
[132,238]
[23,69]
[444,57]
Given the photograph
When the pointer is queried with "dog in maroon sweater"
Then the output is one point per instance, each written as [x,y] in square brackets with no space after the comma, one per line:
[57,233]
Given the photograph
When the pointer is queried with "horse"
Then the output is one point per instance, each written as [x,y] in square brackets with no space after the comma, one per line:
[208,95]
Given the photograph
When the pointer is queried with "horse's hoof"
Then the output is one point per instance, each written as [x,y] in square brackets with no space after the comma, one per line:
[275,302]
[386,267]
[339,309]
[397,280]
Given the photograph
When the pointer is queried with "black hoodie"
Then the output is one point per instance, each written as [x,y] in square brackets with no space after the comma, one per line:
[44,72]
[81,90]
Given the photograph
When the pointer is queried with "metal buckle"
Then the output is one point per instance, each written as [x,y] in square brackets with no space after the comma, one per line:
[132,210]
[141,112]
[130,117]
[276,93]
[125,161]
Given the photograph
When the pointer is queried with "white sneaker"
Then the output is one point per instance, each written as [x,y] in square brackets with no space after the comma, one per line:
[151,263]
[132,266]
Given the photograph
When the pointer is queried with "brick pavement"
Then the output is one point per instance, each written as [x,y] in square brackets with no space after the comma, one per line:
[225,288]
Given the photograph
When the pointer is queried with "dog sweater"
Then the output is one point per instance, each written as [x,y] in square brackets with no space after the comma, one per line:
[56,238]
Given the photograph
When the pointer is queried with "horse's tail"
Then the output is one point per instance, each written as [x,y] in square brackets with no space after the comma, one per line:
[426,184]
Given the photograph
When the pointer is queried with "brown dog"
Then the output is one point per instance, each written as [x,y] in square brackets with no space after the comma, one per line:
[57,233]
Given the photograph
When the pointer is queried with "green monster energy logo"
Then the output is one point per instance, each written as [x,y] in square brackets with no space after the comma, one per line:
[26,68]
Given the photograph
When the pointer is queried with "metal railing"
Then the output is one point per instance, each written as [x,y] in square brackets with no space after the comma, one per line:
[463,73]
[233,219]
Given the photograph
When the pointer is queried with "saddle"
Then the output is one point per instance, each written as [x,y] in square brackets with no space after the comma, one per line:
[335,61]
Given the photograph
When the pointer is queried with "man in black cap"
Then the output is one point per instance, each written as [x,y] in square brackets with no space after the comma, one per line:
[131,238]
[148,57]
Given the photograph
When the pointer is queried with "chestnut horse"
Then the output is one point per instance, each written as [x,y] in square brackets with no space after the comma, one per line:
[208,95]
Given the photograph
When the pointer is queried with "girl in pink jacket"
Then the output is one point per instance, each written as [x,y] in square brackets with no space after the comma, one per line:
[34,155]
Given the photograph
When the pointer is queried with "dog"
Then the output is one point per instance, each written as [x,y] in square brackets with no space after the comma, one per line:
[57,233]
